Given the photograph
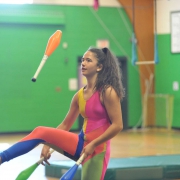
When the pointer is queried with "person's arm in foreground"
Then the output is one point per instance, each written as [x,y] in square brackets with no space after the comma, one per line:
[65,125]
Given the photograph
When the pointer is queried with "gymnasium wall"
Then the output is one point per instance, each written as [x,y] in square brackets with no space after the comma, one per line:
[167,71]
[24,31]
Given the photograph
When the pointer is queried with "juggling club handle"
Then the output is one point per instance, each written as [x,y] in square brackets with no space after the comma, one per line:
[45,57]
[42,159]
[80,160]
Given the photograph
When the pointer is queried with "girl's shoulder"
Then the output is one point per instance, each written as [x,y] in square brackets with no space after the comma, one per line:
[79,93]
[110,93]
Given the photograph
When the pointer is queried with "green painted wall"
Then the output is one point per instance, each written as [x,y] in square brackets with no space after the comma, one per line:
[166,72]
[24,104]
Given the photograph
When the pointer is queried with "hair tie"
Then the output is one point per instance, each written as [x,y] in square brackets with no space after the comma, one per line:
[104,50]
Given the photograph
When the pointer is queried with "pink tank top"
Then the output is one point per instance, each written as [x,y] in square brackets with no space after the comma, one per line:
[93,112]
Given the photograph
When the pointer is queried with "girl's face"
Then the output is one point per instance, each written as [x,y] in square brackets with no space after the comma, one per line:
[89,63]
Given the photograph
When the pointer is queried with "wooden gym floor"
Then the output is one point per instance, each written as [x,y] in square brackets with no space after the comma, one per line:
[129,143]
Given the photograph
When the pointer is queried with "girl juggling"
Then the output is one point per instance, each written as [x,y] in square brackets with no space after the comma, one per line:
[99,104]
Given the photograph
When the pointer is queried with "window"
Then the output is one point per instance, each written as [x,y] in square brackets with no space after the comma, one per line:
[16,1]
[175,32]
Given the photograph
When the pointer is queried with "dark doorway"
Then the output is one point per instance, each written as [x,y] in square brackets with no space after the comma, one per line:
[124,103]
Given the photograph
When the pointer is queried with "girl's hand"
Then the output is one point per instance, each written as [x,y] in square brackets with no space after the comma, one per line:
[46,154]
[88,150]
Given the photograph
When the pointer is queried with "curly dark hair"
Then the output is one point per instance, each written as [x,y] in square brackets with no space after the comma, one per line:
[110,75]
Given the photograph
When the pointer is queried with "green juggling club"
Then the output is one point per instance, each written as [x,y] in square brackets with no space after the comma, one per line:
[25,174]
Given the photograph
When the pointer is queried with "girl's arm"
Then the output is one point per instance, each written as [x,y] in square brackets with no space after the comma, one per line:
[65,125]
[71,115]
